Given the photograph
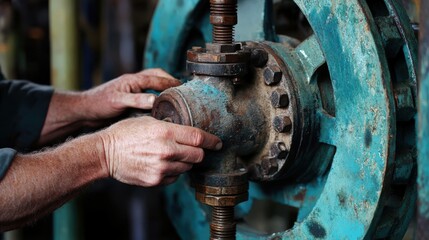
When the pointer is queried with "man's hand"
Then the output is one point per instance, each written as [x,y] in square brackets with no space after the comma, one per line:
[69,111]
[112,98]
[148,152]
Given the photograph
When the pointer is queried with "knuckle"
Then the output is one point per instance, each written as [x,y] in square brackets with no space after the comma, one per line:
[126,76]
[164,131]
[157,180]
[199,156]
[113,100]
[167,153]
[197,138]
[189,167]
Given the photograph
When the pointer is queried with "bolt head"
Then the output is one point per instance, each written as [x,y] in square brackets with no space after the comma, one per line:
[405,108]
[221,201]
[272,75]
[259,57]
[282,124]
[222,48]
[269,165]
[279,150]
[280,99]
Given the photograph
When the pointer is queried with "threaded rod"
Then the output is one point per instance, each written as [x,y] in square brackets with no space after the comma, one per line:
[222,226]
[223,16]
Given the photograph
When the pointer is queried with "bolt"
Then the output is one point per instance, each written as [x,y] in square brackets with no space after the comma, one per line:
[222,225]
[222,48]
[405,107]
[278,150]
[272,75]
[259,57]
[280,99]
[223,17]
[282,124]
[269,165]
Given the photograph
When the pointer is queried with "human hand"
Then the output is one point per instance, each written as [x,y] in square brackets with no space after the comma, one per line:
[148,152]
[112,98]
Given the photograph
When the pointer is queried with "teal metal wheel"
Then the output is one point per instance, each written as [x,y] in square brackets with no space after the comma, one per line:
[359,58]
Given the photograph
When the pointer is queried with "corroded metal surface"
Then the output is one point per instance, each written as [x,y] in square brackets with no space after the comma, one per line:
[347,96]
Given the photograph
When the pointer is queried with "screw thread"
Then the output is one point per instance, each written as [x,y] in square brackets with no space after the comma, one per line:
[222,226]
[223,34]
[223,31]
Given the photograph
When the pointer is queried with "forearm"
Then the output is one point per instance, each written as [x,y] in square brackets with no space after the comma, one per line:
[65,116]
[37,183]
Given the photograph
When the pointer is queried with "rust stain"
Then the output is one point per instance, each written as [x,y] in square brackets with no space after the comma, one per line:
[300,196]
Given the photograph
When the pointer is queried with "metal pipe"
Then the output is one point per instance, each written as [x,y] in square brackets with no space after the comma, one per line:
[64,75]
[64,44]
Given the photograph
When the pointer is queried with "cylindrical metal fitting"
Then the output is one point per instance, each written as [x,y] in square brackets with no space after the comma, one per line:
[223,16]
[222,226]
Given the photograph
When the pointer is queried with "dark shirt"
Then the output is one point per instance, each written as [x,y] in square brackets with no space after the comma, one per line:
[23,109]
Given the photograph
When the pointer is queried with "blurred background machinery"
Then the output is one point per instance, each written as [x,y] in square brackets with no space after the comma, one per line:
[316,102]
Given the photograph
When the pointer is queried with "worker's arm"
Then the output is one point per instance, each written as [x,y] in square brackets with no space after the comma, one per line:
[69,111]
[139,151]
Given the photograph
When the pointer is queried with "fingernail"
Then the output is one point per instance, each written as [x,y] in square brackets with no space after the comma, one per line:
[151,99]
[218,146]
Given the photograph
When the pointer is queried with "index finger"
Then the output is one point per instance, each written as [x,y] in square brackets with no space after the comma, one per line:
[196,137]
[154,82]
[156,72]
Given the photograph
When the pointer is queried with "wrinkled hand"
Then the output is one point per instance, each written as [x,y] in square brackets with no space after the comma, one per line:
[112,98]
[148,152]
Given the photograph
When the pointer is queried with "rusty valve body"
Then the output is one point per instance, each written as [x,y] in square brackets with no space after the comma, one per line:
[220,181]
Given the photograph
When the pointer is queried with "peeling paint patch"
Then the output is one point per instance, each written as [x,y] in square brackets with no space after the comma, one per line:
[368,137]
[316,229]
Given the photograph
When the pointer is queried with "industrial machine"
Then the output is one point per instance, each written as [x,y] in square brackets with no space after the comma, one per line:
[319,124]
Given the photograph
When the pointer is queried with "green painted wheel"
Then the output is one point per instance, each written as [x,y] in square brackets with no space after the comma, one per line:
[361,58]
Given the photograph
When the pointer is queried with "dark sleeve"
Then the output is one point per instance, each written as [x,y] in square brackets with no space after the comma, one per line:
[6,157]
[23,109]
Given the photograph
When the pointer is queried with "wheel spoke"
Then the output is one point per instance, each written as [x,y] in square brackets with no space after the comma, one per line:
[327,128]
[311,56]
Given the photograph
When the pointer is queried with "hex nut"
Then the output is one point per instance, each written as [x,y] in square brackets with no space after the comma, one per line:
[405,107]
[221,201]
[222,191]
[259,57]
[282,124]
[269,166]
[272,75]
[222,48]
[279,98]
[279,150]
